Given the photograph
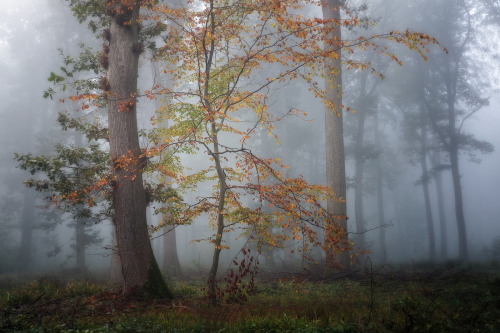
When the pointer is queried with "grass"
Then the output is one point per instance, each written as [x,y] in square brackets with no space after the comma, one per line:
[446,300]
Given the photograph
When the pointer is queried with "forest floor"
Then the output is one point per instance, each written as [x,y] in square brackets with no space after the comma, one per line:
[442,299]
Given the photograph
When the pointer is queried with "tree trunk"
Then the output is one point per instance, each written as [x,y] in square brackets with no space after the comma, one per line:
[459,210]
[27,225]
[360,162]
[140,270]
[80,245]
[380,192]
[171,265]
[425,186]
[451,83]
[80,224]
[212,296]
[438,180]
[334,136]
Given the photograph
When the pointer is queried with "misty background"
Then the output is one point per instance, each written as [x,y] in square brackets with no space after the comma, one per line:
[35,36]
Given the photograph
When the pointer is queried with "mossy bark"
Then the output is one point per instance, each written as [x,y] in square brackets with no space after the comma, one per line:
[155,286]
[141,275]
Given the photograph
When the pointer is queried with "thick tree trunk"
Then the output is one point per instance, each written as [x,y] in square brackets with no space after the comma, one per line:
[334,135]
[140,270]
[116,276]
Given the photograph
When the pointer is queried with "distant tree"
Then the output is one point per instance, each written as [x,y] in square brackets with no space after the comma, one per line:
[437,174]
[453,94]
[170,265]
[66,176]
[25,124]
[416,133]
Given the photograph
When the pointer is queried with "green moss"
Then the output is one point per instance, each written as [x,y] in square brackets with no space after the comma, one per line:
[155,285]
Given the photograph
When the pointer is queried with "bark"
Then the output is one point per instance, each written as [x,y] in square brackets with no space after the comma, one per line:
[334,139]
[380,192]
[141,274]
[438,181]
[459,210]
[116,276]
[425,187]
[451,81]
[212,296]
[221,175]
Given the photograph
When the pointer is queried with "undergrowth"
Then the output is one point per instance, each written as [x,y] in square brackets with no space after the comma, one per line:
[429,301]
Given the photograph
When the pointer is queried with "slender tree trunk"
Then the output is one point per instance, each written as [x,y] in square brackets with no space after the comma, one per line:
[27,225]
[380,191]
[425,186]
[438,181]
[334,136]
[358,189]
[455,172]
[171,265]
[80,225]
[140,270]
[80,245]
[459,210]
[212,275]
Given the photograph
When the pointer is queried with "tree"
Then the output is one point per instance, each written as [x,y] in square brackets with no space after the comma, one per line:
[139,267]
[437,167]
[65,176]
[334,133]
[30,133]
[452,96]
[221,57]
[170,264]
[120,57]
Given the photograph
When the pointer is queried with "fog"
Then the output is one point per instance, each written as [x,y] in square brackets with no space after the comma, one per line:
[36,236]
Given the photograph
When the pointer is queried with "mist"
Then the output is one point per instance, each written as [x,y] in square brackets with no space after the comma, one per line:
[38,237]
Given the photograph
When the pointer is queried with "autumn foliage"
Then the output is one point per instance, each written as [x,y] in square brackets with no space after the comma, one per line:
[225,58]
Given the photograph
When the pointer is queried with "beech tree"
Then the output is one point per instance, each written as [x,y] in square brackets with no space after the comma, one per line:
[119,61]
[334,133]
[452,95]
[225,58]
